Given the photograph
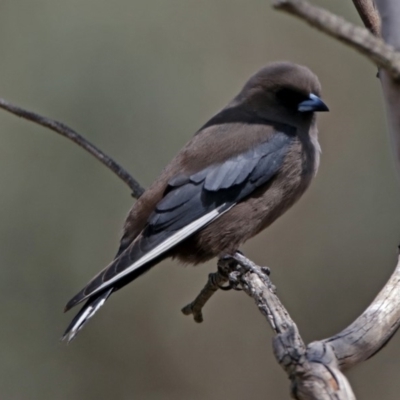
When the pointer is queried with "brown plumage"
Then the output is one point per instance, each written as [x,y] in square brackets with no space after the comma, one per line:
[242,170]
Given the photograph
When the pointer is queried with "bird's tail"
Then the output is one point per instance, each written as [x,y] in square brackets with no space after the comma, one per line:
[85,313]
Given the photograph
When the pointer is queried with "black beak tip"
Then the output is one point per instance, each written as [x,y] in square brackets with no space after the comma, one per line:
[323,107]
[312,104]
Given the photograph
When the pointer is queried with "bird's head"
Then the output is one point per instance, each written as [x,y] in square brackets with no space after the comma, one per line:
[283,92]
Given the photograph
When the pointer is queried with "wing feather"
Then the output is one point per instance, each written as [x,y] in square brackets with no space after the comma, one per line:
[189,204]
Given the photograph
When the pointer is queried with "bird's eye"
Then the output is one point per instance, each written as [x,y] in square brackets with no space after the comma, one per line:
[290,98]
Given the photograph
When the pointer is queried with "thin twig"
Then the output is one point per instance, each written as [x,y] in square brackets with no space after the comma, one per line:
[69,133]
[214,282]
[369,15]
[354,36]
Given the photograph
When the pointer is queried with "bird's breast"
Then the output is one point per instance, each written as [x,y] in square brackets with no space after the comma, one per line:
[299,167]
[257,211]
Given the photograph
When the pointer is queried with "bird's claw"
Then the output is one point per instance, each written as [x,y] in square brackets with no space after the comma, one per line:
[225,288]
[233,276]
[230,286]
[234,280]
[266,270]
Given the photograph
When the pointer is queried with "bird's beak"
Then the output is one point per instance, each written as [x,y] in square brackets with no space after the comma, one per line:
[313,103]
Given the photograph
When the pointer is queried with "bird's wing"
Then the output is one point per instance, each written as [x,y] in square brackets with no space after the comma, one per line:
[191,202]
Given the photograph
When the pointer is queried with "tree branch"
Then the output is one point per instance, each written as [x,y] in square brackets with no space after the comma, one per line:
[374,48]
[214,282]
[313,370]
[390,15]
[369,15]
[372,330]
[69,133]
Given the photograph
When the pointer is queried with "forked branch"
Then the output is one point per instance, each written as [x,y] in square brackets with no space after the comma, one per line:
[359,38]
[313,370]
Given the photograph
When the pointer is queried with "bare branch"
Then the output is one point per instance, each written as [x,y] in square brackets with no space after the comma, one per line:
[373,329]
[69,133]
[313,370]
[382,54]
[376,326]
[214,282]
[369,15]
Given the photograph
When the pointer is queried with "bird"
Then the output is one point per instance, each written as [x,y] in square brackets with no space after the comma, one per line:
[239,172]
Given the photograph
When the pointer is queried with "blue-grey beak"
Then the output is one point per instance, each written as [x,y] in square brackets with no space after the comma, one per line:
[313,103]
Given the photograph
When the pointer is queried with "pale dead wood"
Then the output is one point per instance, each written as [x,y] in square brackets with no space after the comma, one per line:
[380,321]
[383,316]
[69,133]
[372,330]
[313,370]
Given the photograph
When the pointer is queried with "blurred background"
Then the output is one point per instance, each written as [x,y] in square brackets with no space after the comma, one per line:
[138,78]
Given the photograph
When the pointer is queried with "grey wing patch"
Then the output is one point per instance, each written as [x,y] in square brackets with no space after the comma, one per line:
[189,204]
[256,166]
[177,197]
[189,197]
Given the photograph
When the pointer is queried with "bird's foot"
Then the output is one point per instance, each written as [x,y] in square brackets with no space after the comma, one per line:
[266,270]
[232,269]
[227,267]
[233,282]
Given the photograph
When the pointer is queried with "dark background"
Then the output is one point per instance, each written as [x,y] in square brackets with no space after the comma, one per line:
[138,77]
